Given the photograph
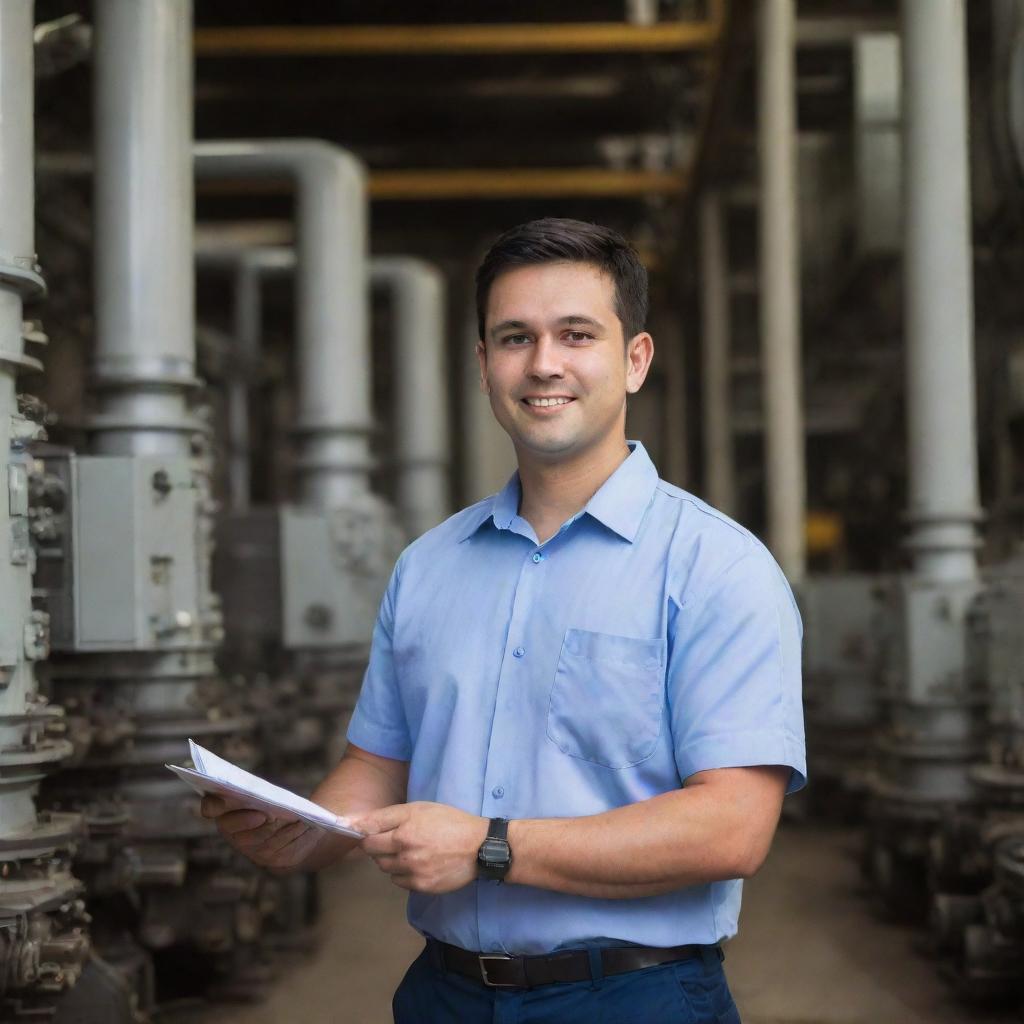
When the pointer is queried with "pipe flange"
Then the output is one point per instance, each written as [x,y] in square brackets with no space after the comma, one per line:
[305,428]
[51,831]
[308,465]
[102,422]
[422,462]
[21,363]
[22,274]
[131,371]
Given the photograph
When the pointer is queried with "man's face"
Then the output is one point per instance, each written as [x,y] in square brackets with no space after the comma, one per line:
[554,361]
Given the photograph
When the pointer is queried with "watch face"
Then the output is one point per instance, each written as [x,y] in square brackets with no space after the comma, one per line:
[495,851]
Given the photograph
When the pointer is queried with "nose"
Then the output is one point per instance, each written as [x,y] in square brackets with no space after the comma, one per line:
[546,360]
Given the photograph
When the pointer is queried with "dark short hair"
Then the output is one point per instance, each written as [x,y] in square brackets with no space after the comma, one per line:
[560,239]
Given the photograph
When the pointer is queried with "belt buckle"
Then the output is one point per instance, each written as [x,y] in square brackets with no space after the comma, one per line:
[483,958]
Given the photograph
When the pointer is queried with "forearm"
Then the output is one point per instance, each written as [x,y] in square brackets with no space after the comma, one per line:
[691,836]
[356,785]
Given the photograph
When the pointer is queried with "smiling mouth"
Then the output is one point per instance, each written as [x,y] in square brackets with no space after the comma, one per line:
[546,403]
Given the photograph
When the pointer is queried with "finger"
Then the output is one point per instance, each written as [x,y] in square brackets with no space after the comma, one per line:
[283,837]
[390,865]
[382,820]
[253,839]
[382,843]
[212,806]
[232,822]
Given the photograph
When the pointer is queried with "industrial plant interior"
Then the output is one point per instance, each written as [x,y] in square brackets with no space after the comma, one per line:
[237,378]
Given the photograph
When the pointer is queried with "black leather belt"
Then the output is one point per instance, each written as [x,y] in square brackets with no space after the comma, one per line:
[497,970]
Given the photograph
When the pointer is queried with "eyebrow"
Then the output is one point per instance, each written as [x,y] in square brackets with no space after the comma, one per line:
[572,320]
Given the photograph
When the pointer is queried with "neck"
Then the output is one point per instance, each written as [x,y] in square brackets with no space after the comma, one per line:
[554,491]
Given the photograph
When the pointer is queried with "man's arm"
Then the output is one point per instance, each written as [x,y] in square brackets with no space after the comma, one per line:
[361,782]
[719,826]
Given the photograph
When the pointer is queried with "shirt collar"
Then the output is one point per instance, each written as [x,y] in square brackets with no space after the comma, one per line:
[619,504]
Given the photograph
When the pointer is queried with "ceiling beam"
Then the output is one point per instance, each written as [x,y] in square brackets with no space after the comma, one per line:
[375,40]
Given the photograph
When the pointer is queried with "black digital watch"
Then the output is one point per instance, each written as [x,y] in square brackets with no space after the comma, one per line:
[494,857]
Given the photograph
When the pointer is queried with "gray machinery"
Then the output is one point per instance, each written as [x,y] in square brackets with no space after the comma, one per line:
[256,630]
[978,915]
[306,577]
[302,580]
[44,940]
[843,621]
[125,556]
[933,709]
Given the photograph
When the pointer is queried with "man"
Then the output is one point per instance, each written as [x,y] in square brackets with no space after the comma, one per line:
[582,708]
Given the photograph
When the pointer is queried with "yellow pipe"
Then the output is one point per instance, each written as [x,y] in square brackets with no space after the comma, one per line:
[511,183]
[361,40]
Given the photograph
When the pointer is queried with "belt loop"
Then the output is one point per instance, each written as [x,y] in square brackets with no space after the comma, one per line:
[435,953]
[596,966]
[711,957]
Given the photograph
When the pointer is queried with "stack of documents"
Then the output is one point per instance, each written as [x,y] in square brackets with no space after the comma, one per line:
[212,774]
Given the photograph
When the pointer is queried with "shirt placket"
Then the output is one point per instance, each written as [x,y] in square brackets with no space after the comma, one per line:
[500,776]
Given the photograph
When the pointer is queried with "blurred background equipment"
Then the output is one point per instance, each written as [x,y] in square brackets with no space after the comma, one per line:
[258,224]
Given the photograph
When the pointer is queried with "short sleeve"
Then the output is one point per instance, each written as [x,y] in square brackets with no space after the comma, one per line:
[378,722]
[734,673]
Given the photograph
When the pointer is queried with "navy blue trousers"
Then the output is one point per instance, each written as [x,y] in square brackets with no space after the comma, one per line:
[687,992]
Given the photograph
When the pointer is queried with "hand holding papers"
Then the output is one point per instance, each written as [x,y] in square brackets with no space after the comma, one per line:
[212,774]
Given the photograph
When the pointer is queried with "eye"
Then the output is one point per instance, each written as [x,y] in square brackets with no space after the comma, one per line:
[515,339]
[578,337]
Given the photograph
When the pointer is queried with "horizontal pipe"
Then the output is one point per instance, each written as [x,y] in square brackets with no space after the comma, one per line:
[333,361]
[365,40]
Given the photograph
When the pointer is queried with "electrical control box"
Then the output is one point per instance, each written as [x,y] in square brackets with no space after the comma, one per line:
[335,565]
[117,550]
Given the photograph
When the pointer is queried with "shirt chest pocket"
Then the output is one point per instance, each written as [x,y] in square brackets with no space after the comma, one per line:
[607,698]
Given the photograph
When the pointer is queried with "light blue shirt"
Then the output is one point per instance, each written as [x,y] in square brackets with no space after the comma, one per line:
[649,639]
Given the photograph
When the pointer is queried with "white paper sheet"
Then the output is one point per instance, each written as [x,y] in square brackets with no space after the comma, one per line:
[213,774]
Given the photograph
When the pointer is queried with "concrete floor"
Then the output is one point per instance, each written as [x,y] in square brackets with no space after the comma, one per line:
[810,952]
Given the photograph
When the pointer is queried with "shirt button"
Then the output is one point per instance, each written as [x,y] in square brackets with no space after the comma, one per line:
[519,652]
[538,557]
[497,792]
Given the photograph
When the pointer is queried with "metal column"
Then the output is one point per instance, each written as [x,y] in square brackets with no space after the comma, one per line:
[780,288]
[719,467]
[43,930]
[939,298]
[934,730]
[144,361]
[421,389]
[126,571]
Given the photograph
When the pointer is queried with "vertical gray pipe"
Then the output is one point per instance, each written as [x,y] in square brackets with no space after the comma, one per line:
[719,468]
[421,389]
[333,361]
[938,292]
[143,208]
[780,288]
[249,267]
[18,278]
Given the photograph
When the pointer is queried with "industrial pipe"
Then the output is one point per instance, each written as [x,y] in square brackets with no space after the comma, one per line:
[780,288]
[333,344]
[719,468]
[249,265]
[421,408]
[942,434]
[421,389]
[144,361]
[18,278]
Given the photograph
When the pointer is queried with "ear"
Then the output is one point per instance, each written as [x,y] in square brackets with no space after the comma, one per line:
[639,354]
[481,356]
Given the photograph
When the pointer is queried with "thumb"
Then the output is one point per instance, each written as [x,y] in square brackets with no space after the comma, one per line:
[384,819]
